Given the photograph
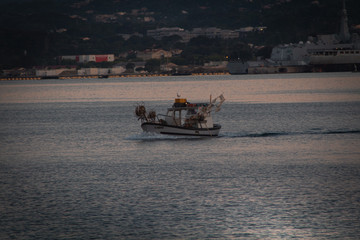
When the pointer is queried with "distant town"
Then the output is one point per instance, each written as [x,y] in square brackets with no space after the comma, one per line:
[136,63]
[92,39]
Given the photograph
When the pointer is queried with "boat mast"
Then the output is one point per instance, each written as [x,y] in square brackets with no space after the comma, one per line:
[344,33]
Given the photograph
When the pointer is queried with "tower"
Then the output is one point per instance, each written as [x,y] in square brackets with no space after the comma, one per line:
[344,29]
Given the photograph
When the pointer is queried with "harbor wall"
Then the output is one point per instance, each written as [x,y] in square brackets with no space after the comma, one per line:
[107,76]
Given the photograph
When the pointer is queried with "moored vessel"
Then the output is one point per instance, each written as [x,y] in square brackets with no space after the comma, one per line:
[326,52]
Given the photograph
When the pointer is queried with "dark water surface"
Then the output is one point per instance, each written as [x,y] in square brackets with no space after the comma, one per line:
[74,163]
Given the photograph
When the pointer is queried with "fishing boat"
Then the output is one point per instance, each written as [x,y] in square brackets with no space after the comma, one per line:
[183,118]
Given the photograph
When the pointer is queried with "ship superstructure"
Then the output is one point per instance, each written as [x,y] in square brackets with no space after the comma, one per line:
[331,52]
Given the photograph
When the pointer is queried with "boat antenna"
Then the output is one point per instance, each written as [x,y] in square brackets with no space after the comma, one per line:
[222,100]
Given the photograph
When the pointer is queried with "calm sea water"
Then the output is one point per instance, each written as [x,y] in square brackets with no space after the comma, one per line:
[74,163]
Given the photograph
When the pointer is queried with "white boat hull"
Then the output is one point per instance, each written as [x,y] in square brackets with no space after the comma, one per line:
[175,130]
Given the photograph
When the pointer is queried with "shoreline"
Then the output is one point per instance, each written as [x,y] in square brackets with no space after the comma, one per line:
[144,75]
[108,76]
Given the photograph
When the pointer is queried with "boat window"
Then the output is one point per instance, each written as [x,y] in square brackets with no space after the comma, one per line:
[170,113]
[177,114]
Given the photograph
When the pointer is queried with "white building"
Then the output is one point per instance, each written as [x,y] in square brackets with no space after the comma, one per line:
[159,33]
[101,71]
[90,58]
[54,72]
[154,54]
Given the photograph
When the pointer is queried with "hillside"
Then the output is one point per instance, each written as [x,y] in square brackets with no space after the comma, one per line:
[34,32]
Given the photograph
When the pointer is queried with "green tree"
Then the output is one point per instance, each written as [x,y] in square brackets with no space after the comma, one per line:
[241,51]
[170,42]
[152,65]
[130,67]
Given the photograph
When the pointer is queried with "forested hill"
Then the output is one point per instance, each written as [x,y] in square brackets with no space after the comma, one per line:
[48,28]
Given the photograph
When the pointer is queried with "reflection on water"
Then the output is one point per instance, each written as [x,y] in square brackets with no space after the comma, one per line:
[74,163]
[277,88]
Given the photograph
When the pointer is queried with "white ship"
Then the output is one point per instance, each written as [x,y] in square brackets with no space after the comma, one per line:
[183,118]
[331,52]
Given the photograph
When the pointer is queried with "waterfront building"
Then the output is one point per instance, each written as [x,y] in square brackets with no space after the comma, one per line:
[331,52]
[90,58]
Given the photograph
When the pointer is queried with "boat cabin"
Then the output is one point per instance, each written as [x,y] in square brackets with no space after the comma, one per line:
[190,115]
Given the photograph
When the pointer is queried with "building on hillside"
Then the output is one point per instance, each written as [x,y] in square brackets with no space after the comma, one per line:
[159,33]
[243,32]
[186,35]
[169,67]
[154,54]
[176,52]
[216,64]
[126,36]
[90,58]
[106,18]
[214,32]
